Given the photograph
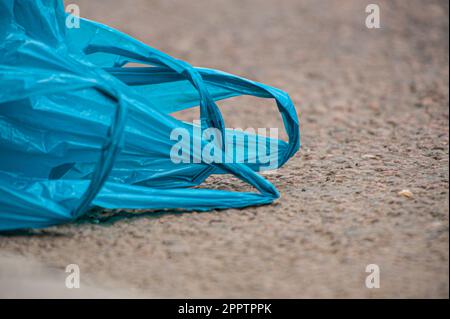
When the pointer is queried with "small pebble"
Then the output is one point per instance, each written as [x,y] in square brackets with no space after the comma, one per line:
[406,193]
[369,156]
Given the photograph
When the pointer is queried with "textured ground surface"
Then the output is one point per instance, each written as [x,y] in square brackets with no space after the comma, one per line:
[374,108]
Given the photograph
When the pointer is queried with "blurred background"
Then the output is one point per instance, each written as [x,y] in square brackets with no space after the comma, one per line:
[373,107]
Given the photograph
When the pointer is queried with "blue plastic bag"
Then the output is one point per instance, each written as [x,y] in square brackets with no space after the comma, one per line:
[78,129]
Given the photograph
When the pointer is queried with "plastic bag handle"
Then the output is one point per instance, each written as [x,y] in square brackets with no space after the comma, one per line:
[108,153]
[232,84]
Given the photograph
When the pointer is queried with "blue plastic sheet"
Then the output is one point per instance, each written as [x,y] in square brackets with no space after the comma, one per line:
[79,129]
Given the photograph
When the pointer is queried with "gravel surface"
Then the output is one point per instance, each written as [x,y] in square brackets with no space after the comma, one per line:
[374,107]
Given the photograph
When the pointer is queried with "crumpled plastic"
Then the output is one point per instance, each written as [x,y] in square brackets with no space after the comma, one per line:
[79,129]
